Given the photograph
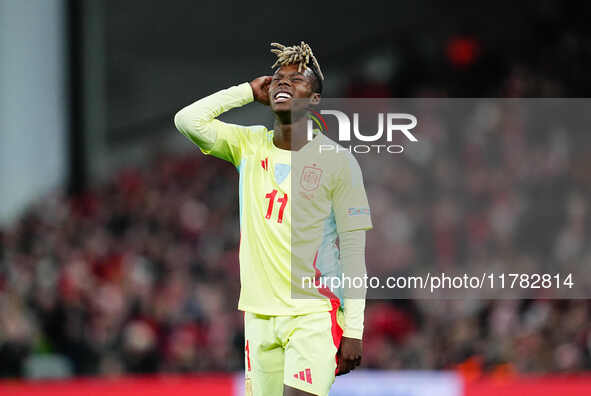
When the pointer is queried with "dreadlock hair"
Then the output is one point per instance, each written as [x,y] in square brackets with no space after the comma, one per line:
[300,55]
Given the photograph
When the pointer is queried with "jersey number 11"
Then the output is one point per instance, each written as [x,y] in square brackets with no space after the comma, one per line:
[282,201]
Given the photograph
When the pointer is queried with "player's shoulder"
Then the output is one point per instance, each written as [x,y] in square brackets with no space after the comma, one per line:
[257,133]
[335,152]
[343,163]
[257,128]
[254,129]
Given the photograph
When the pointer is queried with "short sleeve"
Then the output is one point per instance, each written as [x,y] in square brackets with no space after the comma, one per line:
[349,199]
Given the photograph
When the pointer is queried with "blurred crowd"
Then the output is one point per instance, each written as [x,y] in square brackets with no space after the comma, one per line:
[496,195]
[140,275]
[504,191]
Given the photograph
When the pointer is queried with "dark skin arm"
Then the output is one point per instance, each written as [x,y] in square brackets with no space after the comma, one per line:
[349,355]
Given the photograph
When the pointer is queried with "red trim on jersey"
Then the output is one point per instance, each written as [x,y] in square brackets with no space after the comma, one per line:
[336,329]
[325,291]
[321,119]
[247,355]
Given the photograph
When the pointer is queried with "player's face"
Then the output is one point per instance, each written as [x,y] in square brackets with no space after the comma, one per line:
[288,84]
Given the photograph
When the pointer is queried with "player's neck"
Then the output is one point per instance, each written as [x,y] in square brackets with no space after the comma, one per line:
[290,136]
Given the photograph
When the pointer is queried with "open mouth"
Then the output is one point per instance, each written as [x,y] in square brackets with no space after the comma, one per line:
[281,97]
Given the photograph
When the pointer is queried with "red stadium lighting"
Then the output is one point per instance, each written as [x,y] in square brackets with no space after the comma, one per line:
[462,51]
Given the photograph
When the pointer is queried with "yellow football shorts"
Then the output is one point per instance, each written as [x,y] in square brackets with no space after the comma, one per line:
[298,351]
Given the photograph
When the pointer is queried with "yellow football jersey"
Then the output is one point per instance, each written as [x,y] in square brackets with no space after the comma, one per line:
[293,204]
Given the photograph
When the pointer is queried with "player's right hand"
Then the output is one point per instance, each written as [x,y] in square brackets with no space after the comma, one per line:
[260,89]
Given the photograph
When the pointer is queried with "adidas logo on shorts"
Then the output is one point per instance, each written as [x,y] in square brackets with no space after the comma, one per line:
[304,375]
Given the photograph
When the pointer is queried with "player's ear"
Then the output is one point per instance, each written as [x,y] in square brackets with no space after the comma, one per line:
[315,98]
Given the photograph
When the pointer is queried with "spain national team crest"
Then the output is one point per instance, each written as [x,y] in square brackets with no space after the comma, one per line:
[310,179]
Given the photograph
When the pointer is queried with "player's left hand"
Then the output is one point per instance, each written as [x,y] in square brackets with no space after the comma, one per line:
[349,355]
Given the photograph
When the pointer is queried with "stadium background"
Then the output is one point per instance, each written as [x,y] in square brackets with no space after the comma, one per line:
[118,243]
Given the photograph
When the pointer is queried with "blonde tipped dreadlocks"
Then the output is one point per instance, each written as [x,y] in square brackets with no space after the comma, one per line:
[297,54]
